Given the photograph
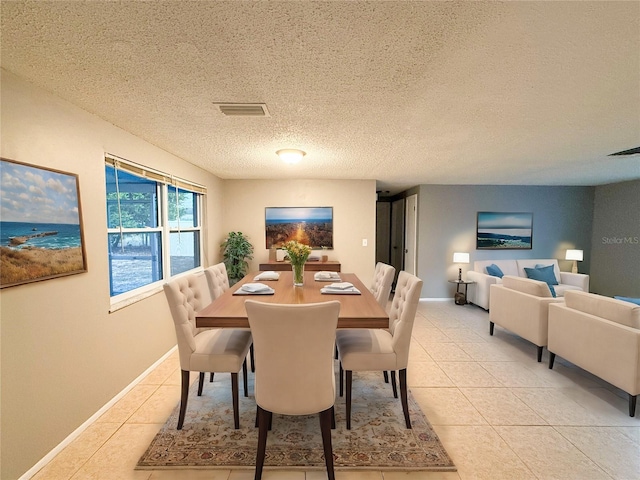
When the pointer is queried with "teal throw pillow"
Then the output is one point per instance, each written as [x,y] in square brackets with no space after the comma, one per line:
[494,271]
[549,274]
[629,299]
[542,275]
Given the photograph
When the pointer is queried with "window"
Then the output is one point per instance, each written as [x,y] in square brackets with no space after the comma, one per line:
[154,226]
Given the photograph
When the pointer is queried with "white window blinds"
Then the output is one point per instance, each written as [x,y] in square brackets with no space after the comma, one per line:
[153,174]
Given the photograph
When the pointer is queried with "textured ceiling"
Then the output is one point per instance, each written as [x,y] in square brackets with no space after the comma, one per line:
[405,93]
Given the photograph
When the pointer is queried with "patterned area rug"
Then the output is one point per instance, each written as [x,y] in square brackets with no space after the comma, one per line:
[377,440]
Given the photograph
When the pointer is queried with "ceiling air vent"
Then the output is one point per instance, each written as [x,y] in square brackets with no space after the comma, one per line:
[243,109]
[631,151]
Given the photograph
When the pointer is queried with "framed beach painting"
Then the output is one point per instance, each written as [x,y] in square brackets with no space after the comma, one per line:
[504,231]
[312,226]
[41,233]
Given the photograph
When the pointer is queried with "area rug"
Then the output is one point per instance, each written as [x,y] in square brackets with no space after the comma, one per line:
[378,438]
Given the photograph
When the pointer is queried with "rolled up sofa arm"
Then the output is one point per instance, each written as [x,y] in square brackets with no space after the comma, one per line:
[479,292]
[576,279]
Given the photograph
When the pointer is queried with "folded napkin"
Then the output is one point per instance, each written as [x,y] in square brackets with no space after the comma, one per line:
[326,276]
[340,291]
[340,286]
[256,288]
[270,275]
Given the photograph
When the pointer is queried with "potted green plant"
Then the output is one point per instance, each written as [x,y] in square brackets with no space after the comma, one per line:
[236,250]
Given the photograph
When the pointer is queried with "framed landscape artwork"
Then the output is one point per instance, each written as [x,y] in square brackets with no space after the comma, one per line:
[504,231]
[41,233]
[312,226]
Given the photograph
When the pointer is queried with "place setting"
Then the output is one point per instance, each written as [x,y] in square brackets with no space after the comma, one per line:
[340,288]
[254,289]
[326,276]
[267,276]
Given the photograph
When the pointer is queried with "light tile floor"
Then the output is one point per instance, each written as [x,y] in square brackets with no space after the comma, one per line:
[499,414]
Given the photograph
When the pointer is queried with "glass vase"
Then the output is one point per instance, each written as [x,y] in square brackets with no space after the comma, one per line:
[298,274]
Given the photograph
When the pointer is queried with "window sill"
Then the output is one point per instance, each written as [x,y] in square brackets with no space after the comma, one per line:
[125,302]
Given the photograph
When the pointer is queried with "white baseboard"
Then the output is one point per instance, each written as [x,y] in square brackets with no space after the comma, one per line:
[76,433]
[436,299]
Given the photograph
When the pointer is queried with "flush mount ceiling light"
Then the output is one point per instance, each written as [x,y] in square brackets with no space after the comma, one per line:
[290,155]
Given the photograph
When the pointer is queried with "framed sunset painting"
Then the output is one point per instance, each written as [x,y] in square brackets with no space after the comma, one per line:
[504,231]
[41,233]
[312,226]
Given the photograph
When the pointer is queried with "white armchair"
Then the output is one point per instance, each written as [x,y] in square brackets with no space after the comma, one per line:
[600,335]
[521,306]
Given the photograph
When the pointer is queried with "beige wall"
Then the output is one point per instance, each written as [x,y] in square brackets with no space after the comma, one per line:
[63,355]
[354,215]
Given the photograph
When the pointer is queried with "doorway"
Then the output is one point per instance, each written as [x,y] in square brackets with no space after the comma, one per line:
[397,236]
[410,234]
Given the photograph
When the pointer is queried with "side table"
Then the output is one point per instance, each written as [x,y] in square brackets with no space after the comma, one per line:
[460,297]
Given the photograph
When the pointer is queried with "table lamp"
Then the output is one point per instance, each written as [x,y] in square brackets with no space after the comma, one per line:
[460,257]
[576,256]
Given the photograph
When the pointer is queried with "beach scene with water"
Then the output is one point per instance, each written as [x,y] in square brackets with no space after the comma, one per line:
[40,234]
[504,230]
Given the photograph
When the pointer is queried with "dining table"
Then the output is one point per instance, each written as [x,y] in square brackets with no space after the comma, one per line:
[356,310]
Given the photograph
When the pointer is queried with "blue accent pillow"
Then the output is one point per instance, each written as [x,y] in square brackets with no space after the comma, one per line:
[548,270]
[494,270]
[629,299]
[544,274]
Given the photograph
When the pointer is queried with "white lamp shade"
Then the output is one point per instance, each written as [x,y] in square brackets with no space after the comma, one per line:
[574,255]
[460,257]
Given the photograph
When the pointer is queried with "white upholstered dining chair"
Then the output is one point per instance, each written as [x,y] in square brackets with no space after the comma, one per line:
[296,376]
[382,282]
[218,281]
[361,349]
[204,350]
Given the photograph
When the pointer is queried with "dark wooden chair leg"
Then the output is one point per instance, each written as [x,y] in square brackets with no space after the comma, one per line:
[264,418]
[245,378]
[393,384]
[211,379]
[341,380]
[491,325]
[349,374]
[200,383]
[325,428]
[552,358]
[184,395]
[632,405]
[236,403]
[253,362]
[386,376]
[540,354]
[403,396]
[333,418]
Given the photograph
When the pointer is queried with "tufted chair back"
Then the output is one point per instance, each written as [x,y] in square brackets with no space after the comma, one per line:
[187,295]
[296,376]
[218,279]
[402,314]
[382,281]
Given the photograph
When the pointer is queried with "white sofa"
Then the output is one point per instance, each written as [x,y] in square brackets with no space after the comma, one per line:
[600,335]
[479,292]
[521,305]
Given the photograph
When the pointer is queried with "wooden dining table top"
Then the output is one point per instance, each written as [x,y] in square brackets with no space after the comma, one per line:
[356,311]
